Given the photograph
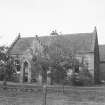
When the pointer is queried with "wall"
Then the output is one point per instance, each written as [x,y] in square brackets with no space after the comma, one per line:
[102,70]
[89,58]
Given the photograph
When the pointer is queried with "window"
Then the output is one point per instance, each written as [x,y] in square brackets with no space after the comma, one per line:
[17,65]
[79,58]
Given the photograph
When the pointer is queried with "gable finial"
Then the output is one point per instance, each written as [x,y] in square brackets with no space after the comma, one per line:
[19,35]
[95,29]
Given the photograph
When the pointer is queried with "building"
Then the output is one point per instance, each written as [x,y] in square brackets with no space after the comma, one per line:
[83,45]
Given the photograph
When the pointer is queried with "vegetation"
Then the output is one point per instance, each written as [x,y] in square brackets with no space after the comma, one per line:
[60,61]
[7,69]
[53,59]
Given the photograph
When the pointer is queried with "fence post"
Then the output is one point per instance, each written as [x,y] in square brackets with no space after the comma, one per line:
[44,94]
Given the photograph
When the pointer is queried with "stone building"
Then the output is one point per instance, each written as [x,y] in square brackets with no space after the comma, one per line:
[102,62]
[83,45]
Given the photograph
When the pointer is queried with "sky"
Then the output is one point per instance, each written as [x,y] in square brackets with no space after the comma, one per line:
[40,17]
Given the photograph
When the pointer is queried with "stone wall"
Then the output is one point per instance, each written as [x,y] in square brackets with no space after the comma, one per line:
[102,71]
[89,58]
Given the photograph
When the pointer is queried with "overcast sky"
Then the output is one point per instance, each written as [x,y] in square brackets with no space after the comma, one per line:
[31,17]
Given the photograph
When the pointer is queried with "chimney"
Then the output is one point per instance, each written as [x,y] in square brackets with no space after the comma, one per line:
[54,33]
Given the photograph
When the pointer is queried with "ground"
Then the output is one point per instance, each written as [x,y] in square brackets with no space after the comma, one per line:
[33,95]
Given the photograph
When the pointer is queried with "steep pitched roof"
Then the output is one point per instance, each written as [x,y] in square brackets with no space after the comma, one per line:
[102,52]
[81,42]
[21,45]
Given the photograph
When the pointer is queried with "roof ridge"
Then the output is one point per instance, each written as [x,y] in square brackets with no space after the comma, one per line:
[85,33]
[78,33]
[27,37]
[82,41]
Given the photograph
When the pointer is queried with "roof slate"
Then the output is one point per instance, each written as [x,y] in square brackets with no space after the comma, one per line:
[81,42]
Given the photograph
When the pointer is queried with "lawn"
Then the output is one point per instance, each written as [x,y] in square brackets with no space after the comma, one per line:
[33,95]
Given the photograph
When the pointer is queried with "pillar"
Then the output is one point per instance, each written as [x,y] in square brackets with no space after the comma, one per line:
[21,74]
[29,73]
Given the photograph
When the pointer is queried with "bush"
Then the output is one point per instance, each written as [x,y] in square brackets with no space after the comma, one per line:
[82,78]
[75,79]
[14,78]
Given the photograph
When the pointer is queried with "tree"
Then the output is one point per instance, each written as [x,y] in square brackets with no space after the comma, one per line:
[3,58]
[42,63]
[6,64]
[59,59]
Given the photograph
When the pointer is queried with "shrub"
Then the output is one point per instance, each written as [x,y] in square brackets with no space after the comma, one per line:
[82,78]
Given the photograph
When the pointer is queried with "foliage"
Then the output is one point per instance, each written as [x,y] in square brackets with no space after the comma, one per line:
[6,64]
[42,65]
[58,74]
[82,78]
[59,59]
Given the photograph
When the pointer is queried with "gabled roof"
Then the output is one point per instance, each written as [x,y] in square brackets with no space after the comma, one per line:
[21,45]
[102,53]
[81,42]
